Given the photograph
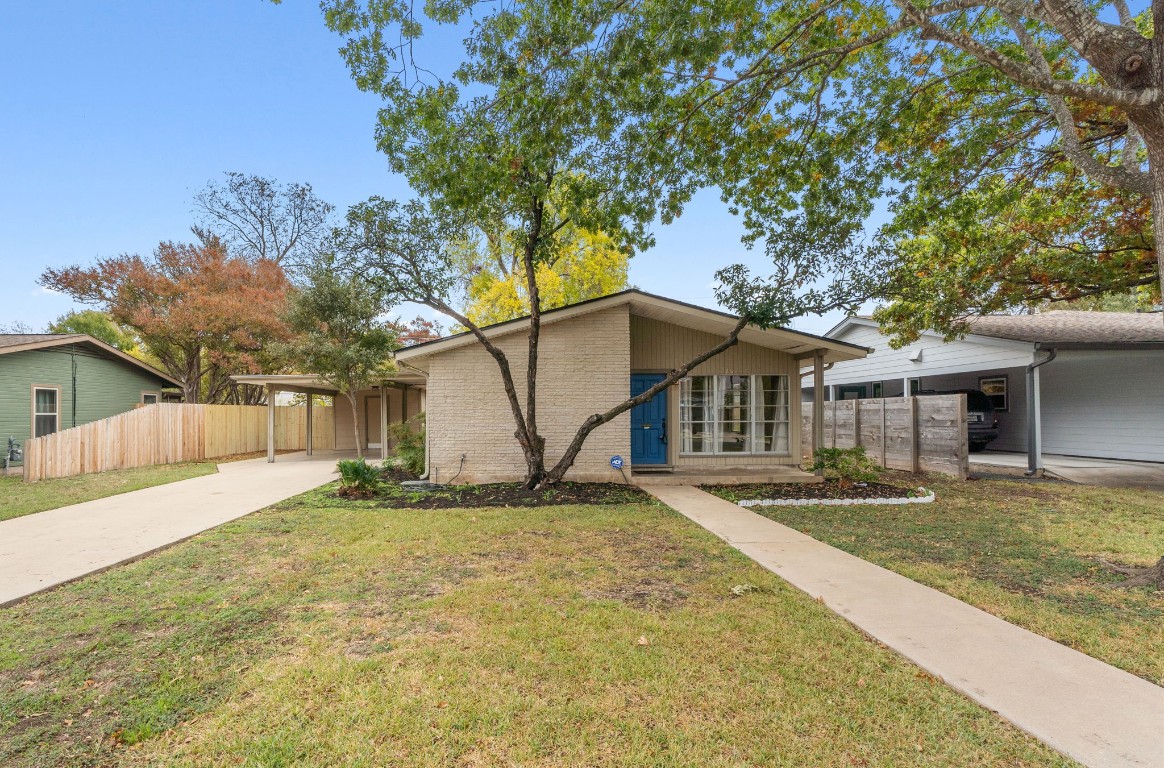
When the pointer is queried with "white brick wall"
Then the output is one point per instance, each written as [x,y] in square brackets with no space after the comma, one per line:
[583,368]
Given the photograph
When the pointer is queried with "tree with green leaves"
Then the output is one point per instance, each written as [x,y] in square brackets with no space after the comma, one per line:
[339,333]
[1016,148]
[553,122]
[587,266]
[99,325]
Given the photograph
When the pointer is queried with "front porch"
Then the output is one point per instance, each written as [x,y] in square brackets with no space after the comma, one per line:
[720,475]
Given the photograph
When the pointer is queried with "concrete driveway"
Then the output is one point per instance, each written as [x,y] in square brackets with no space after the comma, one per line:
[1106,472]
[42,550]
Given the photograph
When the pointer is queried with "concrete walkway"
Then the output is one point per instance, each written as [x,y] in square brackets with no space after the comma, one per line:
[1077,469]
[1088,710]
[42,550]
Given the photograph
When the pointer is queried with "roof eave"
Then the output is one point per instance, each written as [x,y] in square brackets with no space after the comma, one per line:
[82,338]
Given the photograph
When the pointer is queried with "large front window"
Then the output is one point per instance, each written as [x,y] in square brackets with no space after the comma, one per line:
[733,415]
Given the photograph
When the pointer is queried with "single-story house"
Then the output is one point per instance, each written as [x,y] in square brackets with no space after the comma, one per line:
[50,382]
[735,414]
[1063,382]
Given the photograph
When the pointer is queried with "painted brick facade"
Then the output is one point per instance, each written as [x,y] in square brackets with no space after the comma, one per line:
[584,368]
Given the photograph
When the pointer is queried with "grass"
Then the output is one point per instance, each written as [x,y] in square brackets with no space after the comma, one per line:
[1026,552]
[19,498]
[330,632]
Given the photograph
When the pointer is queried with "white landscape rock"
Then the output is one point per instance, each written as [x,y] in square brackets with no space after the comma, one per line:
[924,497]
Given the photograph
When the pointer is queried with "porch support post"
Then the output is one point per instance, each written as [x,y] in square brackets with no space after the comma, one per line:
[270,424]
[1034,415]
[817,401]
[310,398]
[383,420]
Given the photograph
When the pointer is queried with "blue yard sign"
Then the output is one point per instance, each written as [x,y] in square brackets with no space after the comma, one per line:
[616,462]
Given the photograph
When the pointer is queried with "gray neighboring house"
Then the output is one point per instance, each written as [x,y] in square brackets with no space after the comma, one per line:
[1095,379]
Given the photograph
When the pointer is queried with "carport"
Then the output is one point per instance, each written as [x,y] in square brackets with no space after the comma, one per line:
[410,386]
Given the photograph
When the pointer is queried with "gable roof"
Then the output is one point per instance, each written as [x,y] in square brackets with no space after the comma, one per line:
[645,304]
[26,342]
[23,339]
[1060,328]
[1073,327]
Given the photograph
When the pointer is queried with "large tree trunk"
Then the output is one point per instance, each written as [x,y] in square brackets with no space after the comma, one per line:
[535,449]
[1153,138]
[355,423]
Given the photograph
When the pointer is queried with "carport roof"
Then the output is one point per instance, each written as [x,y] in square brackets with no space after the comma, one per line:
[307,383]
[1099,329]
[644,304]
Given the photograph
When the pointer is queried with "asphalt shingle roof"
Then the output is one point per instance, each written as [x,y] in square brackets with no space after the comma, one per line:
[18,339]
[1068,327]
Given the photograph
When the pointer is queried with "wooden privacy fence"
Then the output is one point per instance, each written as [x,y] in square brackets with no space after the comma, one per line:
[910,433]
[169,433]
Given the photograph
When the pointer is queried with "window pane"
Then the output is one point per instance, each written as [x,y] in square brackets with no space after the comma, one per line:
[696,433]
[772,417]
[733,437]
[45,425]
[46,401]
[772,437]
[697,438]
[734,398]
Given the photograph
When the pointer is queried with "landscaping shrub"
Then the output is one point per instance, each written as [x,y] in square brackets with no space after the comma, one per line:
[845,465]
[357,478]
[409,450]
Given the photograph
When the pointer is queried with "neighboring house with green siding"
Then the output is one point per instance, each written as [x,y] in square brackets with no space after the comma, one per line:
[50,382]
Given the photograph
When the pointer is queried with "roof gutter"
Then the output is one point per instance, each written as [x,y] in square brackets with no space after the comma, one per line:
[1034,447]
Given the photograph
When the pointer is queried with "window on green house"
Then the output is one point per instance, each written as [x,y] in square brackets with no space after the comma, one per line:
[46,416]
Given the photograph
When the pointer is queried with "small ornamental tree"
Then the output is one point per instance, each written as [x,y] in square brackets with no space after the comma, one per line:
[339,333]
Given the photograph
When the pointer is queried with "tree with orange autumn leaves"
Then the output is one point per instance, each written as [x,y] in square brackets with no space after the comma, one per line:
[200,313]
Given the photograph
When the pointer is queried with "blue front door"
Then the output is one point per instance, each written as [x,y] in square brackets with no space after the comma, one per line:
[648,422]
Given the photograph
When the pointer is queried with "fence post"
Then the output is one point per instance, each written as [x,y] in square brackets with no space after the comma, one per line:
[856,423]
[913,435]
[883,432]
[834,402]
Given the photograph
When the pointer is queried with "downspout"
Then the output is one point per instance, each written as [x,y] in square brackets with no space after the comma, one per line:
[73,361]
[1034,446]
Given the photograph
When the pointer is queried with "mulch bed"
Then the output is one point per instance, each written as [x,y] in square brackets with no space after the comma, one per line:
[510,495]
[396,474]
[825,490]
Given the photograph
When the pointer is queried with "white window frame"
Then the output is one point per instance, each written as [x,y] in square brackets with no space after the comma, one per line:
[56,390]
[984,381]
[716,422]
[157,396]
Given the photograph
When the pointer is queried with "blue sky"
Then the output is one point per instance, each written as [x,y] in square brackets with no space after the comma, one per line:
[112,115]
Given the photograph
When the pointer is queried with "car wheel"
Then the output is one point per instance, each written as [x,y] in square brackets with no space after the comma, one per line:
[977,447]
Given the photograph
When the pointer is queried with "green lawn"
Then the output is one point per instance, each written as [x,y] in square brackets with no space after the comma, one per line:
[325,632]
[20,498]
[1027,552]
